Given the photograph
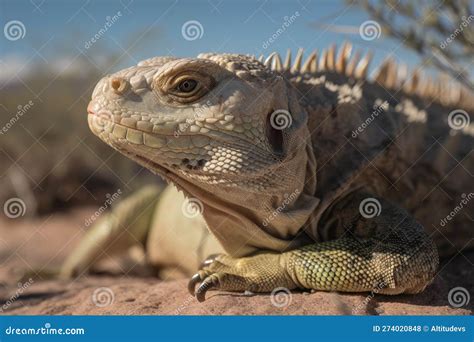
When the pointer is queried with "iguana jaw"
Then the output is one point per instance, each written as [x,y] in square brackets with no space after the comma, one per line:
[223,156]
[234,209]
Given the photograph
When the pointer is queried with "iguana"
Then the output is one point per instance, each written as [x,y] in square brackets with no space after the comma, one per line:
[308,175]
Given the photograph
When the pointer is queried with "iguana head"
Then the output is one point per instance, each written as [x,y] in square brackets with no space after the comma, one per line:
[220,126]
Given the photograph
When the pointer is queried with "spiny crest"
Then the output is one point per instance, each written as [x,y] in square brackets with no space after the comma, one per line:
[328,60]
[442,89]
[389,75]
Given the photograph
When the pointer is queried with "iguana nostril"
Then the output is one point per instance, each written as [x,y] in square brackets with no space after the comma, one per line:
[119,85]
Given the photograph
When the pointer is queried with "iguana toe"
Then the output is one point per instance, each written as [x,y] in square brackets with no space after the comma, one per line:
[209,260]
[210,282]
[197,278]
[259,273]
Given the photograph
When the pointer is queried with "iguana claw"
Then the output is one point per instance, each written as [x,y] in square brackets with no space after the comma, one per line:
[192,283]
[209,282]
[209,260]
[206,284]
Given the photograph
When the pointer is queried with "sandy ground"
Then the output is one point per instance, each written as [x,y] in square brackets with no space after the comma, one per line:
[44,242]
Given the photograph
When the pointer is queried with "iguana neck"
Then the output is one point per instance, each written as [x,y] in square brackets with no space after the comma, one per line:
[268,217]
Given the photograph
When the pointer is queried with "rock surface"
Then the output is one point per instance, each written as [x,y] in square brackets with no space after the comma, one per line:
[43,243]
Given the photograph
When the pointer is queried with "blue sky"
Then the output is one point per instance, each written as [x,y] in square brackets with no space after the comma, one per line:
[59,29]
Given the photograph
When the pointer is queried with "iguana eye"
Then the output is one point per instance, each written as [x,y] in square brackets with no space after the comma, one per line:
[184,87]
[187,85]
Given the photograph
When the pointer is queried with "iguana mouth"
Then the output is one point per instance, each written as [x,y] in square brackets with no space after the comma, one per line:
[162,171]
[103,119]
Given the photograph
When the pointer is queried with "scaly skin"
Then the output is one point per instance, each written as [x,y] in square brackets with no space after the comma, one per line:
[393,258]
[284,203]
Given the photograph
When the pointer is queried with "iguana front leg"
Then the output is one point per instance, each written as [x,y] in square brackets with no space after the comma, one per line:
[390,253]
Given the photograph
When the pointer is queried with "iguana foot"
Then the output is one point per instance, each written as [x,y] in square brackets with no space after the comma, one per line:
[259,273]
[388,254]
